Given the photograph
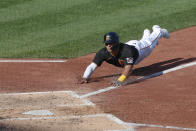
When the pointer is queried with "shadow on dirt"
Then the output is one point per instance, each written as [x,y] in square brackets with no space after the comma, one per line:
[151,69]
[161,66]
[97,79]
[156,69]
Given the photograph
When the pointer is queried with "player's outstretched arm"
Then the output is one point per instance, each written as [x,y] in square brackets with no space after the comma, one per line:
[127,70]
[88,72]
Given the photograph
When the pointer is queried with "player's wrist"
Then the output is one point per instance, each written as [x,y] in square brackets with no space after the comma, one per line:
[85,79]
[122,78]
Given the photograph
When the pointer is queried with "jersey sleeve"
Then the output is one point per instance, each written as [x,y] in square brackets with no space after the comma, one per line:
[99,58]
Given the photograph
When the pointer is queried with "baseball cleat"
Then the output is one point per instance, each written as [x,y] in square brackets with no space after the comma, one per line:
[156,27]
[165,33]
[147,31]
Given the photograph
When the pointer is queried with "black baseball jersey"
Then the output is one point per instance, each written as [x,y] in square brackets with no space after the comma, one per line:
[127,55]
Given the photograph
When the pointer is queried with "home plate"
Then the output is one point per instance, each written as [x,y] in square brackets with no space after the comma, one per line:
[39,112]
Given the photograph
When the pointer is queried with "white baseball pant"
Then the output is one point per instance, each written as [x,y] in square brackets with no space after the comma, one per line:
[148,42]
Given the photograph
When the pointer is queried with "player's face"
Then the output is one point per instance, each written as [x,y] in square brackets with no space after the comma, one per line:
[109,46]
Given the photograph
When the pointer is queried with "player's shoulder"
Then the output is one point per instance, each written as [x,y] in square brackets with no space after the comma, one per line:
[125,50]
[124,47]
[102,52]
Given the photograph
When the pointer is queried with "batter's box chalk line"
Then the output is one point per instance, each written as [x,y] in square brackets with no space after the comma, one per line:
[85,102]
[130,126]
[47,114]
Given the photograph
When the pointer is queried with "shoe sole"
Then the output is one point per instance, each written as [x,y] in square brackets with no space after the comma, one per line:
[165,33]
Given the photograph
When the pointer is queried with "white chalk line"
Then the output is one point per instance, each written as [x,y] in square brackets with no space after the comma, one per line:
[63,105]
[32,93]
[140,79]
[32,61]
[161,126]
[56,117]
[85,102]
[108,116]
[73,94]
[130,126]
[99,91]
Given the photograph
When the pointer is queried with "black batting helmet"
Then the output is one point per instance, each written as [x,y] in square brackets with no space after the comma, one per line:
[112,38]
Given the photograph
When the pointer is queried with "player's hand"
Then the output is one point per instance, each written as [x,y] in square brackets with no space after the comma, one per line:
[83,80]
[117,83]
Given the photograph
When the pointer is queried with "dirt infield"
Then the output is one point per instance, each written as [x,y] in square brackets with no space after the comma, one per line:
[166,102]
[52,111]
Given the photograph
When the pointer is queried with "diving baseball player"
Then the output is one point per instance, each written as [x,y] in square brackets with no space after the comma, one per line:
[125,55]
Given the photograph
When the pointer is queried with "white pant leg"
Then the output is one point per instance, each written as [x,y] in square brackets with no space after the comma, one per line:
[148,42]
[146,34]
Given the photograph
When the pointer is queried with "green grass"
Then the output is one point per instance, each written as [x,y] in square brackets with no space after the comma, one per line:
[71,28]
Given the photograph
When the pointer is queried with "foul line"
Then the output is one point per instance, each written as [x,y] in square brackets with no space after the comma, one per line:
[161,126]
[140,79]
[32,61]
